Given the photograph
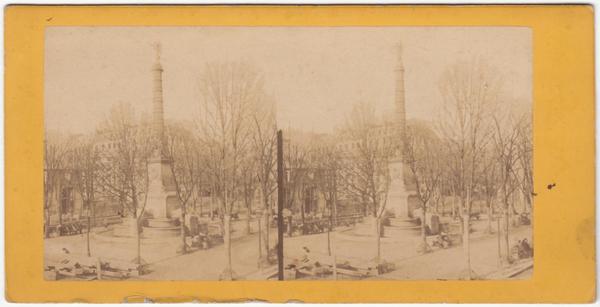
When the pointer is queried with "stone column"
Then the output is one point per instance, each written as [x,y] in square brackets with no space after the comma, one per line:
[157,105]
[397,199]
[159,171]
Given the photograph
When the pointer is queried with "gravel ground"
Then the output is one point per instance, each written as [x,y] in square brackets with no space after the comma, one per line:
[166,264]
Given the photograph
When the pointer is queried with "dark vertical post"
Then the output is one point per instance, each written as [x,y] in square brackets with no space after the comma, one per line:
[280,196]
[499,248]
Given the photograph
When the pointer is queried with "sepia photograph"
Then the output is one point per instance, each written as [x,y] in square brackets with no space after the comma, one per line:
[288,153]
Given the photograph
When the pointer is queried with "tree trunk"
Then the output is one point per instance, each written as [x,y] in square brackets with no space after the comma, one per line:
[182,224]
[528,204]
[248,230]
[466,234]
[466,246]
[506,224]
[89,228]
[499,245]
[329,228]
[267,225]
[201,203]
[329,240]
[489,214]
[228,272]
[333,226]
[138,258]
[228,240]
[267,236]
[304,230]
[248,215]
[260,254]
[376,225]
[60,213]
[211,204]
[424,245]
[453,206]
[122,203]
[93,212]
[47,207]
[47,225]
[91,221]
[511,213]
[88,235]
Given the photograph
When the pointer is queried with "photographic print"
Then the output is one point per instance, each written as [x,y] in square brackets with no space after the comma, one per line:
[288,153]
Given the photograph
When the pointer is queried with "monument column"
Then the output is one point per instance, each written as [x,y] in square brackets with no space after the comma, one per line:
[397,199]
[157,107]
[162,196]
[399,101]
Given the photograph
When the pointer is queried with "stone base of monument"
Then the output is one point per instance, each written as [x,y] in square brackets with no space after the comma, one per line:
[398,229]
[405,223]
[401,226]
[366,228]
[161,228]
[127,229]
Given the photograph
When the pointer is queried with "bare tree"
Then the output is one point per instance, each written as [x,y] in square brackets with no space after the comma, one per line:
[124,170]
[55,161]
[327,163]
[469,91]
[525,149]
[229,94]
[248,187]
[488,183]
[421,155]
[86,166]
[366,172]
[264,146]
[450,184]
[185,160]
[297,165]
[506,139]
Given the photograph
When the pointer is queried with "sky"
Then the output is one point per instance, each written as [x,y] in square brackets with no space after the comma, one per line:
[315,74]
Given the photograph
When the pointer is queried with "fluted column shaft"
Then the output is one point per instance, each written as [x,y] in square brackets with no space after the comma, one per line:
[157,109]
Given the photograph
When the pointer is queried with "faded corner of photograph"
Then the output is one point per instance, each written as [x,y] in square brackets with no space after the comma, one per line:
[288,153]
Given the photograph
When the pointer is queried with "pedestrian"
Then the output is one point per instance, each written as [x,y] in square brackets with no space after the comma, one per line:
[526,249]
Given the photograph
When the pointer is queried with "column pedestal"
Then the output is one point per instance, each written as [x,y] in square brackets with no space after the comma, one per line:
[162,201]
[397,204]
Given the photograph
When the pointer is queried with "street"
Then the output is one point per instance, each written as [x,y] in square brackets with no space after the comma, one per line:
[447,263]
[166,264]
